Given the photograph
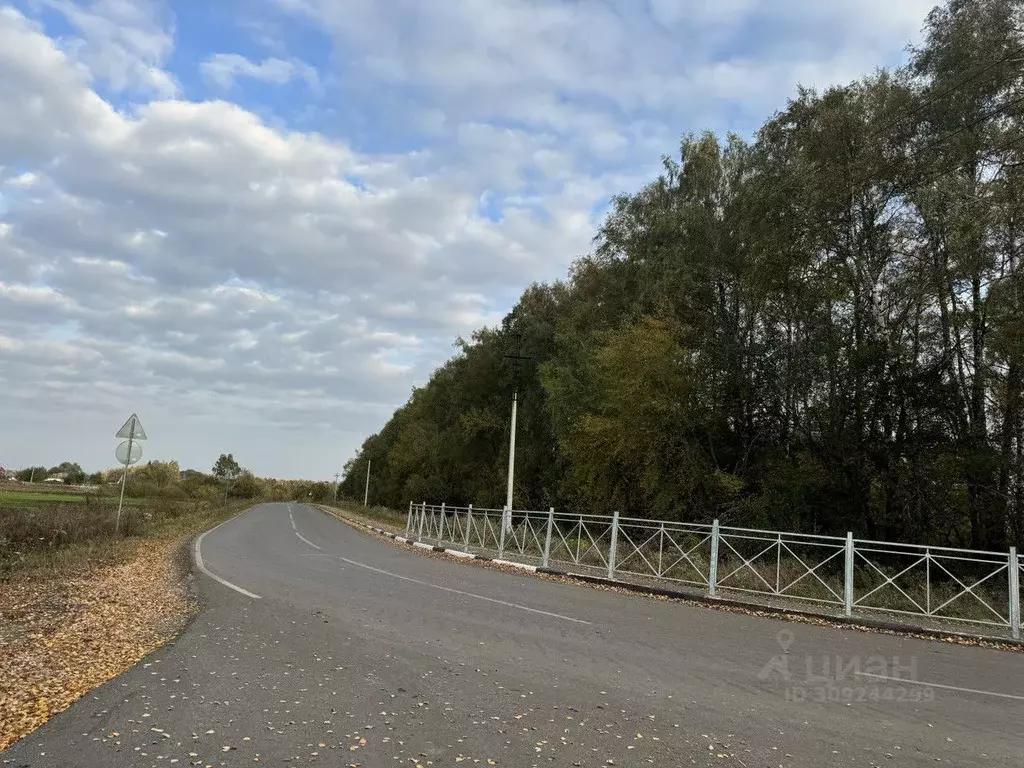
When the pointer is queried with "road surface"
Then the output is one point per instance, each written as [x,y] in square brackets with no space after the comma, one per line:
[320,645]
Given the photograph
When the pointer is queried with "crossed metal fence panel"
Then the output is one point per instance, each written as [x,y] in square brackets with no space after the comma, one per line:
[937,582]
[581,540]
[781,565]
[676,552]
[971,587]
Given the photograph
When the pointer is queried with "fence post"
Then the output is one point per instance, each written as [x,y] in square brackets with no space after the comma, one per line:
[501,540]
[713,568]
[848,576]
[547,538]
[408,521]
[469,526]
[1014,593]
[423,514]
[614,545]
[440,526]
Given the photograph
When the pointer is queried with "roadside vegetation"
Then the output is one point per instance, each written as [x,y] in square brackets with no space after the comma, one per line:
[66,576]
[391,519]
[42,525]
[817,329]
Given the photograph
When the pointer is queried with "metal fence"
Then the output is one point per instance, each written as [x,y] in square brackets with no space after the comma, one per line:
[975,590]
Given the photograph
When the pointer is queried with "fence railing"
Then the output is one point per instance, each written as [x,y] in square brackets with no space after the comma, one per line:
[847,576]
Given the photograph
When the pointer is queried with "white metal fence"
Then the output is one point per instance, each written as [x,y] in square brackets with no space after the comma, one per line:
[976,590]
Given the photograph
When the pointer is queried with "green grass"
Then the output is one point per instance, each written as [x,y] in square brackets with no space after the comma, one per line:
[28,498]
[52,533]
[13,498]
[388,517]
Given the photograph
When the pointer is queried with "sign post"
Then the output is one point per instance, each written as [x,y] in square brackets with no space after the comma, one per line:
[129,452]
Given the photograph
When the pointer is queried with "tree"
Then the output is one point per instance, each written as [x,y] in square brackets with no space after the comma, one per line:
[36,474]
[818,329]
[226,469]
[247,486]
[72,472]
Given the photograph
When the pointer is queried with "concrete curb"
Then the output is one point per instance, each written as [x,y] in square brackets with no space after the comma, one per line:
[523,566]
[853,622]
[850,621]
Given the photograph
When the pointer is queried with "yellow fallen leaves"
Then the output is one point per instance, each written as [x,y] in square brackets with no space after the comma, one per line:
[64,633]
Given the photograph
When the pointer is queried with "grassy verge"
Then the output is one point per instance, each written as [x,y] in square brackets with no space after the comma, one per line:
[48,534]
[16,498]
[77,582]
[387,518]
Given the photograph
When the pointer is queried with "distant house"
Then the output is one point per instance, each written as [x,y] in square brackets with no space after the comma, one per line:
[58,478]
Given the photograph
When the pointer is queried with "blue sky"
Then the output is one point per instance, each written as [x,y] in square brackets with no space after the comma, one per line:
[259,224]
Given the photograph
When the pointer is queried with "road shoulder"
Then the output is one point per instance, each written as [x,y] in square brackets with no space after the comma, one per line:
[64,633]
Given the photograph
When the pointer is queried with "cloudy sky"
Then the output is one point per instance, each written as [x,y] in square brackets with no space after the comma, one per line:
[260,223]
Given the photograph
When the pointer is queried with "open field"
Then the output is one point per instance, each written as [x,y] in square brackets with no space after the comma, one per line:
[41,531]
[14,498]
[22,498]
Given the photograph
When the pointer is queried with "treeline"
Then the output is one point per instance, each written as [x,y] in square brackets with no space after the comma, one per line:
[821,329]
[165,480]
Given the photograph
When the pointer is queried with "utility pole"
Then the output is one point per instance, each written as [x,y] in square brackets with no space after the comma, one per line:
[336,476]
[517,360]
[366,493]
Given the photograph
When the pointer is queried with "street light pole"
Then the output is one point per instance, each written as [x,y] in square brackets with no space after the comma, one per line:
[512,451]
[366,493]
[517,359]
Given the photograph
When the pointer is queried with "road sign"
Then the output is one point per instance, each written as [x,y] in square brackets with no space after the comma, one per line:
[128,452]
[132,430]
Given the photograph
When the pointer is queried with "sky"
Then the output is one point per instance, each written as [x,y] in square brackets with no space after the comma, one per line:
[260,223]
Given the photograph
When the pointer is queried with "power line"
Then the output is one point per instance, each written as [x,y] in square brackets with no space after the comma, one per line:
[938,142]
[917,155]
[947,92]
[947,171]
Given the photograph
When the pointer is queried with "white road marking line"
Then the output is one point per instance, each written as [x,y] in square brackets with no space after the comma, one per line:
[292,519]
[202,566]
[314,546]
[460,592]
[940,685]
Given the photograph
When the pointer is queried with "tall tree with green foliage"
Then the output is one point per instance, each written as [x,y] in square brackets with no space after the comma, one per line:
[817,329]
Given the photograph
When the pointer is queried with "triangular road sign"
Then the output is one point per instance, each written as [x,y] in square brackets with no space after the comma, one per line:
[126,432]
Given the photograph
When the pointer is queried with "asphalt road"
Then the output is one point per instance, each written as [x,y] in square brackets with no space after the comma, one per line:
[360,653]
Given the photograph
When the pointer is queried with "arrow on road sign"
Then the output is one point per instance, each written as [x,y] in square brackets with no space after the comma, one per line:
[132,429]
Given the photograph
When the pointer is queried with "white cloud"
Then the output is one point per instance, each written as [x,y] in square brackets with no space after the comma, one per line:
[124,43]
[224,68]
[540,62]
[242,284]
[23,180]
[247,274]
